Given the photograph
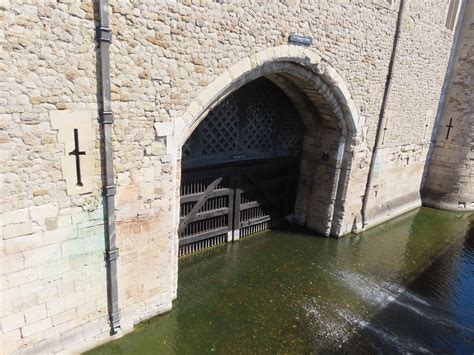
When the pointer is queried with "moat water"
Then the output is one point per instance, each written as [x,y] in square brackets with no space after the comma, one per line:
[406,286]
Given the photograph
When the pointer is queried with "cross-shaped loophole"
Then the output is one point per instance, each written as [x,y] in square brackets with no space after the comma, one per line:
[450,125]
[77,153]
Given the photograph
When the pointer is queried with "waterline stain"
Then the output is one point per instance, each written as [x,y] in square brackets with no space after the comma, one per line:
[404,286]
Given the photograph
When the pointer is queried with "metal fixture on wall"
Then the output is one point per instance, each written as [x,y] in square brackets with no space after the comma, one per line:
[107,119]
[382,118]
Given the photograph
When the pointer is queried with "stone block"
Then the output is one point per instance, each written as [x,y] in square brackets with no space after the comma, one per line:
[73,336]
[74,300]
[42,255]
[64,317]
[179,125]
[87,311]
[46,294]
[66,122]
[96,243]
[157,148]
[31,288]
[11,294]
[35,313]
[55,306]
[40,192]
[24,302]
[5,5]
[163,129]
[11,263]
[22,277]
[23,243]
[51,343]
[60,235]
[34,328]
[51,223]
[70,211]
[16,230]
[13,321]
[78,218]
[14,217]
[148,174]
[72,247]
[86,232]
[124,178]
[53,268]
[40,213]
[147,190]
[94,329]
[10,340]
[6,307]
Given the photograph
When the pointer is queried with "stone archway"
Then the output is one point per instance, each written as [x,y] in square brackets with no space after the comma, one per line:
[240,168]
[330,122]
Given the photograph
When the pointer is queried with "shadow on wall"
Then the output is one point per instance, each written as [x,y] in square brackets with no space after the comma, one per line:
[441,176]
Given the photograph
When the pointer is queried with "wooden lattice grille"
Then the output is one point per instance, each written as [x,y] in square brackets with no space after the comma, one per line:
[259,125]
[257,121]
[290,133]
[240,168]
[219,129]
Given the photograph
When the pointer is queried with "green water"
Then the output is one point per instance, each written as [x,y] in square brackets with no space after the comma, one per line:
[406,286]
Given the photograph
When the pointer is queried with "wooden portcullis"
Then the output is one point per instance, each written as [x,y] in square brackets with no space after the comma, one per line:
[240,168]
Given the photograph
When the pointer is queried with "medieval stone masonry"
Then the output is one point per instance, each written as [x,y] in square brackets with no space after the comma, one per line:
[449,182]
[171,62]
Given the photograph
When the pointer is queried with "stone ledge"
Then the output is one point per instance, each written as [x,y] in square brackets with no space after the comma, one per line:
[448,206]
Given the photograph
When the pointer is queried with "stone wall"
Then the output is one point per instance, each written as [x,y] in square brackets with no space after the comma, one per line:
[410,112]
[164,56]
[53,283]
[450,180]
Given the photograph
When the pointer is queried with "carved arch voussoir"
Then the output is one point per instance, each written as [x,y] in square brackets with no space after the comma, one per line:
[295,61]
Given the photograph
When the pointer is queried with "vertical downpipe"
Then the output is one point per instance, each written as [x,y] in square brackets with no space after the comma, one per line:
[381,123]
[107,119]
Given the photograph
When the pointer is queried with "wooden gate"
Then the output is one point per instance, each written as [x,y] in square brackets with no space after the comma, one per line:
[240,168]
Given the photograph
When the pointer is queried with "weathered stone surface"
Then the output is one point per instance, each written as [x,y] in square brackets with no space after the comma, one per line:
[16,230]
[450,179]
[170,63]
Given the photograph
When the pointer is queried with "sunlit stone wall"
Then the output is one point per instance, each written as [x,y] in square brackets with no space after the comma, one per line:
[418,75]
[450,180]
[163,55]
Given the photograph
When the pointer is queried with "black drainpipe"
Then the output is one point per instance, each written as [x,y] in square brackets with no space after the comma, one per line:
[381,123]
[107,119]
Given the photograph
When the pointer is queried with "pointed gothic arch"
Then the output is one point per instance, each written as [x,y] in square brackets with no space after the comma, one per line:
[330,120]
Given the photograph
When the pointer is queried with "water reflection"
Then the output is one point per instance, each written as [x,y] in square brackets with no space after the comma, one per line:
[435,313]
[406,286]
